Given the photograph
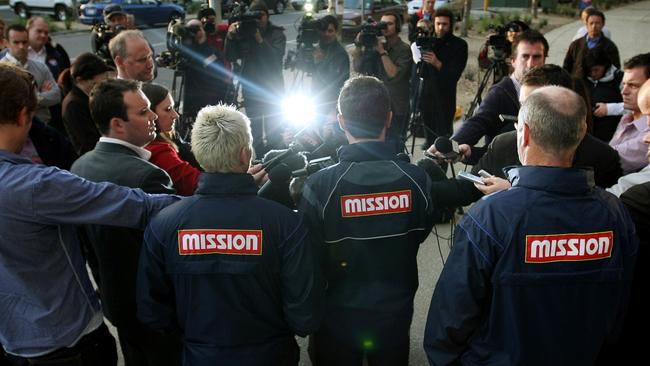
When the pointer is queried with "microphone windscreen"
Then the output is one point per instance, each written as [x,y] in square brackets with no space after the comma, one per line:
[443,145]
[280,173]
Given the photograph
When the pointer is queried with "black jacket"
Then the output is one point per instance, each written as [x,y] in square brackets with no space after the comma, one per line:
[439,88]
[52,147]
[261,63]
[502,98]
[502,152]
[78,122]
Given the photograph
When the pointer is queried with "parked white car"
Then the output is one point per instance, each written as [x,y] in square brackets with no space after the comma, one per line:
[60,9]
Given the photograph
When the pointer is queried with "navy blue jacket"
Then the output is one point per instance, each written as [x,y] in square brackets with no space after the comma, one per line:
[370,231]
[502,98]
[230,304]
[514,292]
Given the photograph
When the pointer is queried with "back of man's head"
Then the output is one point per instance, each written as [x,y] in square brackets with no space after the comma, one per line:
[364,103]
[555,117]
[18,91]
[641,61]
[219,134]
[117,45]
[107,102]
[529,36]
[547,74]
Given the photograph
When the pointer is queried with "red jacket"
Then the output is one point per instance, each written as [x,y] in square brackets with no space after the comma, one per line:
[184,176]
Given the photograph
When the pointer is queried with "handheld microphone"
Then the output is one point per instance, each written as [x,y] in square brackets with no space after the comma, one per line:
[448,148]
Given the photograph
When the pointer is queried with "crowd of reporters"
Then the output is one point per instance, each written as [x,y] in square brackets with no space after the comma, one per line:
[125,133]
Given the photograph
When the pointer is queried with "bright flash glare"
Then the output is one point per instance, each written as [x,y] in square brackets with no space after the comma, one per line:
[299,110]
[309,7]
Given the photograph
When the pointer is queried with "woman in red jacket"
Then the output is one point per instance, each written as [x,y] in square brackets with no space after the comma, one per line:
[168,151]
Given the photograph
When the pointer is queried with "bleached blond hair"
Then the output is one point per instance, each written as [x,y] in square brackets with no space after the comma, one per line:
[218,135]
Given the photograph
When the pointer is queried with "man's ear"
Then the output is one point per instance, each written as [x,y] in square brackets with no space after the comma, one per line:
[245,155]
[116,127]
[389,120]
[24,117]
[341,120]
[525,134]
[119,61]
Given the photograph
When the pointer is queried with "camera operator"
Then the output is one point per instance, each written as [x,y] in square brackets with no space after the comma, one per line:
[206,79]
[332,66]
[528,50]
[115,20]
[427,13]
[370,213]
[261,49]
[391,62]
[501,43]
[443,61]
[215,33]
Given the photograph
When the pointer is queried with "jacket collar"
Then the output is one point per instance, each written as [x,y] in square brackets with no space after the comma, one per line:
[6,156]
[226,183]
[371,150]
[552,179]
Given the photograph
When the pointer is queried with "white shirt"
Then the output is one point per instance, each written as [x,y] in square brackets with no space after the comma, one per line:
[143,153]
[39,56]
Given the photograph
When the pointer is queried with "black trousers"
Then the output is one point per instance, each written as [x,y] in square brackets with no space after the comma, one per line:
[93,349]
[346,337]
[142,346]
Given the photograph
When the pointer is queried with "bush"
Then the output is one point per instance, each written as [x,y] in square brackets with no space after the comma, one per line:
[566,10]
[492,21]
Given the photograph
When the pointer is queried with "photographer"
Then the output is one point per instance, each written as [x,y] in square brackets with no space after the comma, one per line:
[206,78]
[115,20]
[501,44]
[391,62]
[370,212]
[426,12]
[260,45]
[332,66]
[443,60]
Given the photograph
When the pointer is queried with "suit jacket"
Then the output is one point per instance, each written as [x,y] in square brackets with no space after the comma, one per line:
[118,249]
[590,153]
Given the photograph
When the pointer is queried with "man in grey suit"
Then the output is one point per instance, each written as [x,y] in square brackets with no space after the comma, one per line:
[123,117]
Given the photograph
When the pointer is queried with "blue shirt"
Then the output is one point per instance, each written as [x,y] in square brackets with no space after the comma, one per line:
[46,298]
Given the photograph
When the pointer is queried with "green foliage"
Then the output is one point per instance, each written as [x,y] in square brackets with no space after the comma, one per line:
[543,23]
[566,10]
[493,21]
[192,7]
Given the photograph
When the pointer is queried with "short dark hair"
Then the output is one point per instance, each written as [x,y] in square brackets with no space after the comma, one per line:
[206,12]
[15,28]
[88,65]
[398,20]
[107,101]
[530,36]
[597,56]
[642,60]
[444,12]
[593,11]
[18,91]
[548,74]
[364,103]
[329,19]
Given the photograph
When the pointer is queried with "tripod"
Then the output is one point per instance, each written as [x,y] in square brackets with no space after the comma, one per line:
[498,69]
[416,123]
